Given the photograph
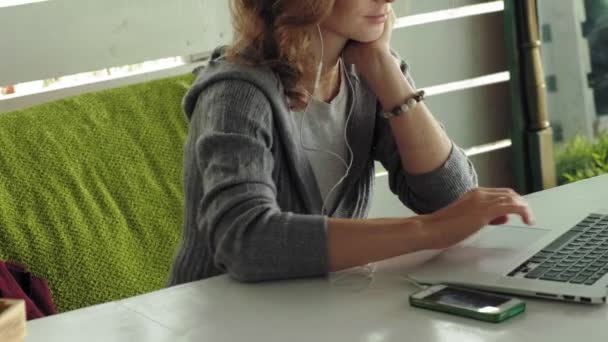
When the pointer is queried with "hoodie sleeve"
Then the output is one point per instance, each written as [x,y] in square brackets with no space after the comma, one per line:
[250,237]
[428,192]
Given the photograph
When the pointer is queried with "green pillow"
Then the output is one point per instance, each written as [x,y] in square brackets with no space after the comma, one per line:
[91,191]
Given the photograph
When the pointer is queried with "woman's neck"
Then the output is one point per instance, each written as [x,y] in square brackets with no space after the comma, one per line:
[329,85]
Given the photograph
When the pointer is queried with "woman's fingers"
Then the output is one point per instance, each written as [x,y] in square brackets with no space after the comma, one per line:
[506,207]
[489,194]
[500,221]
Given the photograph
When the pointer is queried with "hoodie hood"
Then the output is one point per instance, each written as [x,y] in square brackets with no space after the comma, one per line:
[219,69]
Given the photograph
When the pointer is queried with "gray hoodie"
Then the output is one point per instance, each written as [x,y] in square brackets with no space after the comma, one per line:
[252,204]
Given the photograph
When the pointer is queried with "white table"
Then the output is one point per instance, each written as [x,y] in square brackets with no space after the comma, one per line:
[220,309]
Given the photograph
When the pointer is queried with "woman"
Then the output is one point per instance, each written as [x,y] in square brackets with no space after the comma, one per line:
[278,182]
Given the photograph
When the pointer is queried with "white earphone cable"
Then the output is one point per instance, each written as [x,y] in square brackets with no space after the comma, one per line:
[351,154]
[343,278]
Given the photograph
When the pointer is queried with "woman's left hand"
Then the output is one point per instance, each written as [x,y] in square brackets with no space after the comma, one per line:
[357,53]
[384,42]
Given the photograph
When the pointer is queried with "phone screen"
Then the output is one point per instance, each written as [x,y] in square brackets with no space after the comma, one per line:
[467,299]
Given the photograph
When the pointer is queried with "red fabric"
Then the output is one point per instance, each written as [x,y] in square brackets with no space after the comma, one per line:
[17,283]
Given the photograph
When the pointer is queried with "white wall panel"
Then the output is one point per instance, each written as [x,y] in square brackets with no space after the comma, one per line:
[453,50]
[475,116]
[63,37]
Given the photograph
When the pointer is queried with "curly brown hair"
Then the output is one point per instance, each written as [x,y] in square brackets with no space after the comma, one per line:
[277,34]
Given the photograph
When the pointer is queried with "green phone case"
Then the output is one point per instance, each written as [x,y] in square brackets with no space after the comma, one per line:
[487,317]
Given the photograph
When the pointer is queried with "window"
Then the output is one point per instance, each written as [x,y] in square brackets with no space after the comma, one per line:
[575,37]
[596,29]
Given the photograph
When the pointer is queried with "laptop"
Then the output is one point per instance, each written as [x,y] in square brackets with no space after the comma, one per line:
[568,263]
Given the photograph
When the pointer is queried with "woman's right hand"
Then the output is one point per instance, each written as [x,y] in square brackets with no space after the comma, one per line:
[470,213]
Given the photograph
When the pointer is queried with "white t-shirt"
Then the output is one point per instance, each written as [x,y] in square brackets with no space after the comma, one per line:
[323,129]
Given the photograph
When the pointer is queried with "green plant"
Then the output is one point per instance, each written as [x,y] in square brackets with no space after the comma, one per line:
[582,158]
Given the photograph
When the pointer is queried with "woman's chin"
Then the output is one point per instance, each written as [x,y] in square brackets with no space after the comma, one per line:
[367,37]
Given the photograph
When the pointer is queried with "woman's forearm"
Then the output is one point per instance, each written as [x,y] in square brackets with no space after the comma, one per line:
[358,242]
[423,144]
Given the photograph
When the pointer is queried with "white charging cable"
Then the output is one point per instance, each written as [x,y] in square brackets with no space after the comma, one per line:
[357,278]
[415,283]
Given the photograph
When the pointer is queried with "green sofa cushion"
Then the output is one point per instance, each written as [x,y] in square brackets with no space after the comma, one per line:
[91,191]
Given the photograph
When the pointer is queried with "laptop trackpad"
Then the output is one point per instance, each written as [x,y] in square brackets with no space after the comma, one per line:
[505,237]
[493,249]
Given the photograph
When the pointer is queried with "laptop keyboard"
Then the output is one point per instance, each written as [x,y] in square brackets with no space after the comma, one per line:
[579,256]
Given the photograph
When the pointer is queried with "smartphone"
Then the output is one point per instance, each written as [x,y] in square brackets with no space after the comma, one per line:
[468,303]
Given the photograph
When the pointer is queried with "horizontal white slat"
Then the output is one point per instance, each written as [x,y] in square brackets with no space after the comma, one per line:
[412,7]
[474,116]
[63,37]
[489,147]
[11,3]
[481,81]
[450,14]
[453,50]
